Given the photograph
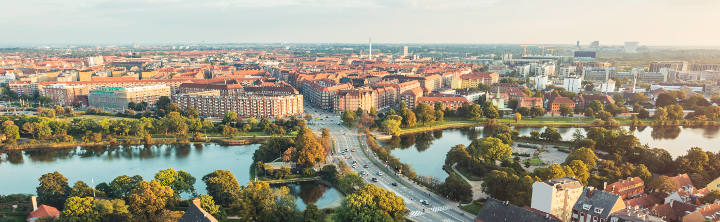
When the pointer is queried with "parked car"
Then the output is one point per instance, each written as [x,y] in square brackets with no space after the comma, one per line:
[374,179]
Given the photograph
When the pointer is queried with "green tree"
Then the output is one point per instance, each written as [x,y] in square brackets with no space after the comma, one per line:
[80,209]
[208,204]
[313,214]
[258,202]
[518,117]
[580,171]
[490,111]
[53,189]
[348,117]
[351,182]
[476,113]
[665,99]
[551,134]
[222,186]
[121,186]
[489,149]
[503,185]
[565,110]
[148,200]
[408,118]
[230,117]
[585,155]
[424,113]
[372,203]
[310,149]
[81,189]
[179,181]
[454,188]
[391,125]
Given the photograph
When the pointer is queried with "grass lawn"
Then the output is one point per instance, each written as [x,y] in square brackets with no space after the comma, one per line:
[13,219]
[535,161]
[438,125]
[473,208]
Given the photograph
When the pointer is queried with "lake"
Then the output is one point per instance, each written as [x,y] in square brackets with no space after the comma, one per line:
[20,170]
[425,152]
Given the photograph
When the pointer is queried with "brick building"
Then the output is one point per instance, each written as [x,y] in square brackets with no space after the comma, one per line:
[116,99]
[65,95]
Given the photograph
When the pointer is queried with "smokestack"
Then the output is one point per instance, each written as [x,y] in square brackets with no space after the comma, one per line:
[34,202]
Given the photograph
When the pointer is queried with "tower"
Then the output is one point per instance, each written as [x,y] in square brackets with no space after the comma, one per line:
[370,54]
[405,51]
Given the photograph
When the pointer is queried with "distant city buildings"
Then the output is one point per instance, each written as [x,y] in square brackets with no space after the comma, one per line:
[116,99]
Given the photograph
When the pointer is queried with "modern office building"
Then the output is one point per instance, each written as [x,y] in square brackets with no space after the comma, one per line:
[116,99]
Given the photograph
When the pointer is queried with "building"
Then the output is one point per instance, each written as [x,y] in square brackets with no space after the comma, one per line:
[634,215]
[353,99]
[494,210]
[44,211]
[116,99]
[708,212]
[573,84]
[598,74]
[259,105]
[473,80]
[225,89]
[447,102]
[541,82]
[63,94]
[322,93]
[530,102]
[680,66]
[584,100]
[410,97]
[608,86]
[556,102]
[629,188]
[556,196]
[596,206]
[405,51]
[23,88]
[195,213]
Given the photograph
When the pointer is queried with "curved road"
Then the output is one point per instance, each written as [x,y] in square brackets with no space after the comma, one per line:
[439,209]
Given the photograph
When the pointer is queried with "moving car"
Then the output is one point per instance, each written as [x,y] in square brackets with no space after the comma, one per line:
[374,179]
[379,173]
[394,184]
[366,166]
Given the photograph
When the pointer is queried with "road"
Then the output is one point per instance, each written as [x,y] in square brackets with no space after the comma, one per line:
[439,208]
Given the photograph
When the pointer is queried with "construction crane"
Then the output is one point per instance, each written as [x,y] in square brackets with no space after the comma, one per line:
[525,49]
[543,49]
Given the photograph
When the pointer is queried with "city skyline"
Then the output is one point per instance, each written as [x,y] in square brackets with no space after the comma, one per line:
[652,23]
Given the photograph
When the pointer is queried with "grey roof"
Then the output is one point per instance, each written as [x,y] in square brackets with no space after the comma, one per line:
[633,215]
[495,210]
[196,214]
[594,201]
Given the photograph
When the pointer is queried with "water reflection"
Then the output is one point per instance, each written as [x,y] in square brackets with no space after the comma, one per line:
[666,132]
[314,192]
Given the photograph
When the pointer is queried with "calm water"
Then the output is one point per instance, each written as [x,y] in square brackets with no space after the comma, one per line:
[425,152]
[20,170]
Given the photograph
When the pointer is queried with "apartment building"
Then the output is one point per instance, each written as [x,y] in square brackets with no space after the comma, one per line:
[354,99]
[63,94]
[323,92]
[556,196]
[473,80]
[23,88]
[447,102]
[213,104]
[116,99]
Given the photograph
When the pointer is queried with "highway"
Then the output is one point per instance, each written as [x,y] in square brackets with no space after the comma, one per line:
[437,208]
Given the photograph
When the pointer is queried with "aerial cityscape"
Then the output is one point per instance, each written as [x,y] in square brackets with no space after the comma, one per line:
[313,111]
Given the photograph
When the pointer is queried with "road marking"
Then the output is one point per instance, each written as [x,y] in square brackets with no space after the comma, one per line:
[415,213]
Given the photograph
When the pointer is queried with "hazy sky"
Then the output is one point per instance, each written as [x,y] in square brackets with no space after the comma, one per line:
[651,22]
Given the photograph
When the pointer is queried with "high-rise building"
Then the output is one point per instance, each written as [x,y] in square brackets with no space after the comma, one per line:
[680,66]
[573,84]
[405,51]
[556,196]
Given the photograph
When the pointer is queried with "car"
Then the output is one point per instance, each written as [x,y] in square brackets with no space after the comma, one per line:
[366,166]
[424,202]
[347,157]
[363,173]
[353,150]
[394,184]
[374,179]
[379,173]
[354,162]
[354,166]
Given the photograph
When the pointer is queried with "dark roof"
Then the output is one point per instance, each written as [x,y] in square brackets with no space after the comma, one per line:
[495,210]
[593,200]
[196,214]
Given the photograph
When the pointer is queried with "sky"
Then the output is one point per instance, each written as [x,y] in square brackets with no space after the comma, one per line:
[612,22]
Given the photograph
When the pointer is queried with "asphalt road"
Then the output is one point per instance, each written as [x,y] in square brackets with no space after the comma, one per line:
[439,208]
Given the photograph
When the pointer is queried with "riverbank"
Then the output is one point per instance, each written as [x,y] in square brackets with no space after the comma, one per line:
[558,122]
[25,145]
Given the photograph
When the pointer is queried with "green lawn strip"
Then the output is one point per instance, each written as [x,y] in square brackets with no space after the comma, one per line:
[378,165]
[472,208]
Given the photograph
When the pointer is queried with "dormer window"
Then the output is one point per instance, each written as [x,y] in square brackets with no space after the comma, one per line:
[598,210]
[586,206]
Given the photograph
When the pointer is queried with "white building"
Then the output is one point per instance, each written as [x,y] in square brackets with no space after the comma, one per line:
[573,84]
[541,82]
[608,86]
[7,77]
[566,71]
[524,70]
[556,196]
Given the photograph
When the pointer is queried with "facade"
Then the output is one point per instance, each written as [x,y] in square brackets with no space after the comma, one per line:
[23,88]
[116,99]
[473,80]
[556,102]
[353,99]
[530,102]
[541,82]
[410,97]
[596,206]
[323,93]
[64,95]
[448,102]
[556,196]
[628,188]
[572,84]
[213,104]
[584,100]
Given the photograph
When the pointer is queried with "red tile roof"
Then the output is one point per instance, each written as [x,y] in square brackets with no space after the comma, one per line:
[44,211]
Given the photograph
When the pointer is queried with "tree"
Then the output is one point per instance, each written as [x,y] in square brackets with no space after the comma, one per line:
[373,112]
[179,181]
[348,117]
[80,209]
[408,118]
[148,199]
[10,130]
[504,185]
[694,161]
[310,150]
[121,186]
[372,203]
[551,134]
[424,113]
[665,99]
[456,189]
[81,189]
[534,134]
[162,102]
[222,186]
[53,189]
[476,113]
[661,114]
[585,155]
[489,149]
[208,204]
[518,117]
[439,116]
[329,173]
[230,117]
[580,170]
[565,110]
[662,184]
[391,125]
[350,182]
[490,111]
[258,202]
[675,112]
[313,214]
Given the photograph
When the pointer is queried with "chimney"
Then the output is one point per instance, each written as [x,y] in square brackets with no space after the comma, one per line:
[34,202]
[605,185]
